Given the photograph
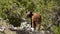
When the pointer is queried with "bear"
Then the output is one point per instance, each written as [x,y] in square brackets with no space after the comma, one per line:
[35,20]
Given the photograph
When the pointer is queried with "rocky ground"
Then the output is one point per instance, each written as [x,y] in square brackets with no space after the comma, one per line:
[23,29]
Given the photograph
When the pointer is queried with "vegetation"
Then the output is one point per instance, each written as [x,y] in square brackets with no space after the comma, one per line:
[14,10]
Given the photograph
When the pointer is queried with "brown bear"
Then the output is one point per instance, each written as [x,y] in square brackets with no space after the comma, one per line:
[35,20]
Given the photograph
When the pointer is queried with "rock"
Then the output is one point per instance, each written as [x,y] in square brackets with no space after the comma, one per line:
[2,28]
[22,32]
[42,32]
[47,32]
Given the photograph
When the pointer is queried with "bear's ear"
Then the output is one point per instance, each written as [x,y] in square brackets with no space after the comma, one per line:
[30,12]
[26,11]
